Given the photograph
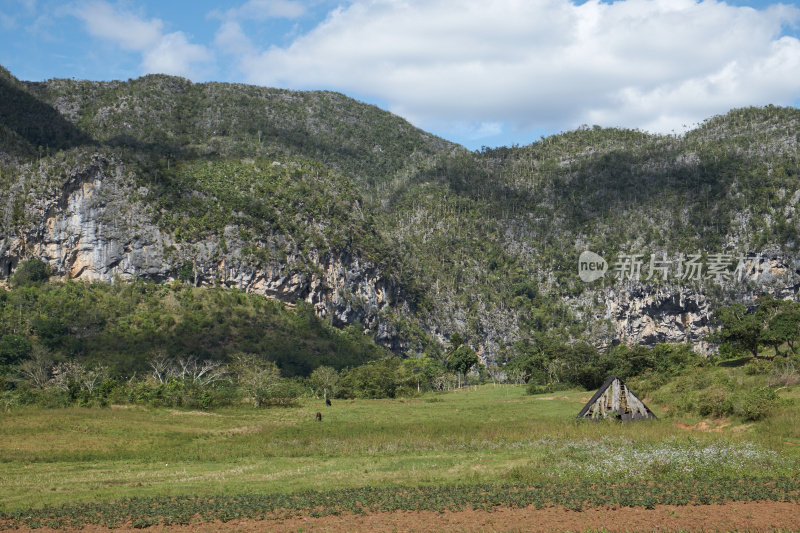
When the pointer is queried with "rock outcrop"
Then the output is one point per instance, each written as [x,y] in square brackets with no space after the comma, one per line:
[648,315]
[642,317]
[94,225]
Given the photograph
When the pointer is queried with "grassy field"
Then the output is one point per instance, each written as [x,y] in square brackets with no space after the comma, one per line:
[485,435]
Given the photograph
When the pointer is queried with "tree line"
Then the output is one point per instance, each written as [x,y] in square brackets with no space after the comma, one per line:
[769,324]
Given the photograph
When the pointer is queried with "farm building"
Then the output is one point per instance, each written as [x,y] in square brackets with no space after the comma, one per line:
[615,400]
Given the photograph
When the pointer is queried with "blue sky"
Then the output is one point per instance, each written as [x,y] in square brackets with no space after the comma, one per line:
[478,72]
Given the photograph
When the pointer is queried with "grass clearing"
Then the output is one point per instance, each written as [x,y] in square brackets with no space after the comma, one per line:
[485,435]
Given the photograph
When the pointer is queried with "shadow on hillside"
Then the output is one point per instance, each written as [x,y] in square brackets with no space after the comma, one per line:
[730,363]
[36,122]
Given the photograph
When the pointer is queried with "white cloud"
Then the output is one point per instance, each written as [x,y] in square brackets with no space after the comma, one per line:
[126,29]
[655,64]
[232,39]
[165,53]
[174,54]
[263,9]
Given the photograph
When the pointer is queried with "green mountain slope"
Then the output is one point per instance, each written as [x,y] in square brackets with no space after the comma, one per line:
[177,119]
[313,196]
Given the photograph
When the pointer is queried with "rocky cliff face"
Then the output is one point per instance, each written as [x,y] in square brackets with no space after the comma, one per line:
[646,315]
[92,224]
[642,317]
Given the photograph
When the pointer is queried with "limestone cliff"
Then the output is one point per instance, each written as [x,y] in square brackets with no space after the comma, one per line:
[92,224]
[647,315]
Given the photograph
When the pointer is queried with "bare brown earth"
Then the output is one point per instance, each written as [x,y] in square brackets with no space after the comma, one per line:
[750,516]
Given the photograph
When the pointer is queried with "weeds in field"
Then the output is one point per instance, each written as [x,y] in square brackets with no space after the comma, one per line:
[624,460]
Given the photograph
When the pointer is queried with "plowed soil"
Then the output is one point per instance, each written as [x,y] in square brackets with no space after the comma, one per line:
[750,516]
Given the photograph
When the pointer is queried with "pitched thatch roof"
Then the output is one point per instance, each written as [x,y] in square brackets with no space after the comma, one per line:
[615,400]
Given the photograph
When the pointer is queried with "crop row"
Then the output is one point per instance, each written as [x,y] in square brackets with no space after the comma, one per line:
[144,512]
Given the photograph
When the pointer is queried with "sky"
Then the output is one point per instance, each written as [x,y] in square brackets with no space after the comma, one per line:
[477,72]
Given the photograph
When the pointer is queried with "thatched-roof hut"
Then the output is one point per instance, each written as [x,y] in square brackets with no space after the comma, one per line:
[615,400]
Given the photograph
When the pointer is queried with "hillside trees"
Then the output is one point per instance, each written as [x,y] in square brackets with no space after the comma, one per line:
[784,328]
[14,348]
[771,322]
[124,325]
[461,358]
[29,272]
[260,379]
[325,379]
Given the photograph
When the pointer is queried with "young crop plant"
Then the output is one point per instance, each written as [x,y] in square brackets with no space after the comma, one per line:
[573,495]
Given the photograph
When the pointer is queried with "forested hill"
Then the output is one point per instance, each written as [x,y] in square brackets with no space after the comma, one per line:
[315,197]
[176,119]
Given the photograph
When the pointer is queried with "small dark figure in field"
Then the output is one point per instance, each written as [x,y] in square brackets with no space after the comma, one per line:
[327,402]
[319,416]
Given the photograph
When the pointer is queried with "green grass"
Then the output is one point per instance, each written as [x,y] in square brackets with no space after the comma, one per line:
[494,435]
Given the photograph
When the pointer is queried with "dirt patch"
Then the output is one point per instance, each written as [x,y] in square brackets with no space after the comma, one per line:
[709,426]
[548,398]
[750,516]
[196,413]
[243,430]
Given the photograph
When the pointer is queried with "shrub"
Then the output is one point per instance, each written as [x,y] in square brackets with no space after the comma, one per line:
[784,372]
[699,380]
[30,272]
[714,401]
[376,379]
[757,404]
[648,382]
[52,398]
[758,367]
[283,394]
[534,388]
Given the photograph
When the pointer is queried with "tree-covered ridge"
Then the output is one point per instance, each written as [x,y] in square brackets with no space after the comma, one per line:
[179,119]
[497,233]
[482,244]
[126,325]
[28,125]
[301,200]
[672,191]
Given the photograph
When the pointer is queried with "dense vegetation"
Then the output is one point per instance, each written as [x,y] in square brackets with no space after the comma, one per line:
[481,247]
[63,343]
[122,325]
[71,342]
[183,346]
